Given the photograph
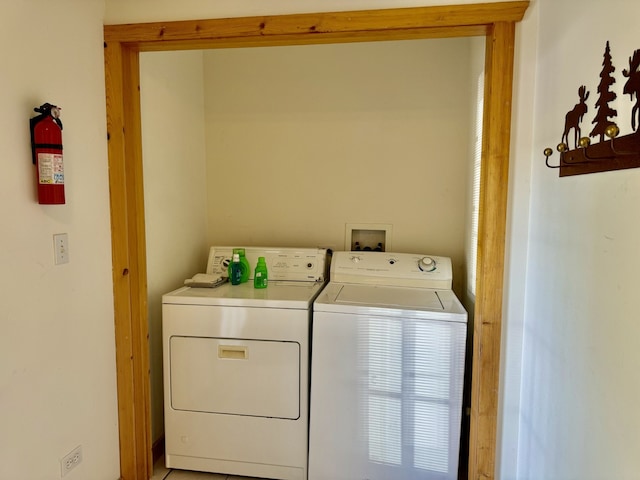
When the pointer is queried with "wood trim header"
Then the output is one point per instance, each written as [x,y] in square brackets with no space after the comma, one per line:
[307,28]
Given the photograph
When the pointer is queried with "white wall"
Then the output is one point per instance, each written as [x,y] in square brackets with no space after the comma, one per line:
[57,357]
[302,140]
[175,193]
[579,415]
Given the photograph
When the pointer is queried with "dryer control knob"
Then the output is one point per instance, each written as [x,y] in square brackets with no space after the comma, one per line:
[427,264]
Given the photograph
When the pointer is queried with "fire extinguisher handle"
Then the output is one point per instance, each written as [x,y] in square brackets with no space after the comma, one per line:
[48,109]
[44,109]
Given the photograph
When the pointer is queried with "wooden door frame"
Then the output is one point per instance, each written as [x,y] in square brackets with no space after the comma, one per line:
[123,43]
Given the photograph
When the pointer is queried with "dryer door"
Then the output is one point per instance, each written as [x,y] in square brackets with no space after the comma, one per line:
[259,378]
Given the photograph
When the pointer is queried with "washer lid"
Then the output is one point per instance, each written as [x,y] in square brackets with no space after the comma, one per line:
[383,300]
[389,297]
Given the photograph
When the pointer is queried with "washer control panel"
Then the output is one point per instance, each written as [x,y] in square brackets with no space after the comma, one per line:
[294,264]
[393,269]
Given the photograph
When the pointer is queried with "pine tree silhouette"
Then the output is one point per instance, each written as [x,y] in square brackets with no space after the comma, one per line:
[602,104]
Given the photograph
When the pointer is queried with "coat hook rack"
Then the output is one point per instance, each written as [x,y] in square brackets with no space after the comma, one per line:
[612,152]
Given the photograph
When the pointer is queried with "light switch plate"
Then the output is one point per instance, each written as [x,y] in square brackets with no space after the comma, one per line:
[61,248]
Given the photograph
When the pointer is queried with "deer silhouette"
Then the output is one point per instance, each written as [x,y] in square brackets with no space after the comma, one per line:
[574,117]
[632,86]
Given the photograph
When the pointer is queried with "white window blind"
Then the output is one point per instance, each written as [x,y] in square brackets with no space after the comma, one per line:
[472,258]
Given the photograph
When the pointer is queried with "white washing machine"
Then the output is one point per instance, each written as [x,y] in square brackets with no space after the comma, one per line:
[387,370]
[236,368]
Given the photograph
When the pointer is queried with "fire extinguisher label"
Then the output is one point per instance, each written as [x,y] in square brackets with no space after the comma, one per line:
[50,169]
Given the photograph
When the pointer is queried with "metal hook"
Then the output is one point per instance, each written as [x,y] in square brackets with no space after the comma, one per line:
[563,149]
[583,144]
[612,132]
[547,153]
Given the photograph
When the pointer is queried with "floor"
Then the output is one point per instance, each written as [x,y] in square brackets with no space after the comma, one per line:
[160,472]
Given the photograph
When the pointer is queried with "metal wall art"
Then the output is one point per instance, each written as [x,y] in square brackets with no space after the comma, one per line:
[612,152]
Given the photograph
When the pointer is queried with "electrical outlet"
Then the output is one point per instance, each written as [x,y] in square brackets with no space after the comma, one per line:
[61,248]
[71,461]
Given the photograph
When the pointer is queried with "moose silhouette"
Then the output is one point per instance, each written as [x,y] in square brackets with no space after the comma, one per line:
[574,117]
[632,86]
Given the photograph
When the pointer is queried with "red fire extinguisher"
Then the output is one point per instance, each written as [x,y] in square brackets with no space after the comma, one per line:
[46,147]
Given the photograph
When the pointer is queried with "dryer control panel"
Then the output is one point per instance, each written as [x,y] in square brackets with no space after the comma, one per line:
[293,264]
[392,269]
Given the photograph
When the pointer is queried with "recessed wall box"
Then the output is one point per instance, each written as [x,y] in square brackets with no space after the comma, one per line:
[368,236]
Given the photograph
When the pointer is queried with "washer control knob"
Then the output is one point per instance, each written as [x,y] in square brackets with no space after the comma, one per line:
[427,264]
[355,259]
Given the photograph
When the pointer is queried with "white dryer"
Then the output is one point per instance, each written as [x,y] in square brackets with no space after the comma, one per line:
[236,368]
[387,370]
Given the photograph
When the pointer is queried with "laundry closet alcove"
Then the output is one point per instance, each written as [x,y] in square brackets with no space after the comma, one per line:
[123,43]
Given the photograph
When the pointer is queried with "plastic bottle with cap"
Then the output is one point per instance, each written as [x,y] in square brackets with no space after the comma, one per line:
[260,275]
[235,270]
[244,264]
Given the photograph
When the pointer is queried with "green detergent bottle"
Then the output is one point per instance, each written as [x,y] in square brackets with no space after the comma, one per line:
[235,270]
[260,275]
[244,265]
